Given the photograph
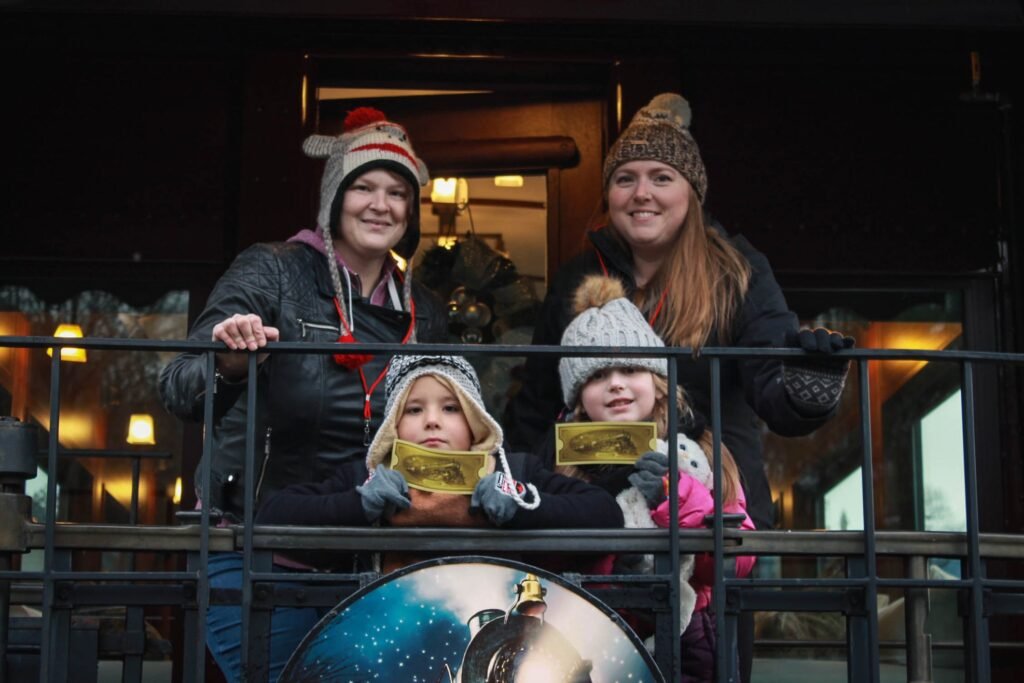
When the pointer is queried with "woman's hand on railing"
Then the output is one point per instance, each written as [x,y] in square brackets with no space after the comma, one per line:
[240,332]
[814,383]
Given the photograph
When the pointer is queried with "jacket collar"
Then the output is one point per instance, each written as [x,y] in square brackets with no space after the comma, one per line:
[616,255]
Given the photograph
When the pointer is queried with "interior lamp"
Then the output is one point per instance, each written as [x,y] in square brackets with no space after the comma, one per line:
[448,196]
[508,181]
[140,430]
[69,354]
[450,191]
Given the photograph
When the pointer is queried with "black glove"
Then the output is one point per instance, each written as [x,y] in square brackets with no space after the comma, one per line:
[814,383]
[490,495]
[649,477]
[385,491]
[818,340]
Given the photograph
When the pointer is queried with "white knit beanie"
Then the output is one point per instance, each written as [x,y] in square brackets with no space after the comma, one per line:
[605,317]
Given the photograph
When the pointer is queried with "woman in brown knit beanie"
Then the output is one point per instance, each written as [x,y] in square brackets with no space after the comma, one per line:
[697,286]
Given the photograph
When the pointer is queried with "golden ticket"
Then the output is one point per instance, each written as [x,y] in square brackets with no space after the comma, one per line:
[603,443]
[429,469]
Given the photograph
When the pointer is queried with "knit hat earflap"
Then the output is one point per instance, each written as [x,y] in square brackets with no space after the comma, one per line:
[661,132]
[605,317]
[459,376]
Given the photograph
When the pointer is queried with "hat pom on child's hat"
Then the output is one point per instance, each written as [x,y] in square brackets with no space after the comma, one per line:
[595,291]
[605,317]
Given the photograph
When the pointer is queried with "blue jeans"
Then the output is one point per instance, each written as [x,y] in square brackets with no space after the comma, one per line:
[288,625]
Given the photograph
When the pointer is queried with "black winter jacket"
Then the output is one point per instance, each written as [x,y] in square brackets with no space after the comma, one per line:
[751,389]
[565,502]
[309,409]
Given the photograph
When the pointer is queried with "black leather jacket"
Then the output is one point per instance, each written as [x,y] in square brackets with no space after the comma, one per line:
[309,415]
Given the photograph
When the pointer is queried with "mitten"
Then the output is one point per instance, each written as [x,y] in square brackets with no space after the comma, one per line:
[492,494]
[649,477]
[385,491]
[814,383]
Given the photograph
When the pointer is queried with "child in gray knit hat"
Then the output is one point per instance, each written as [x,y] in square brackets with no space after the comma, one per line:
[636,390]
[435,402]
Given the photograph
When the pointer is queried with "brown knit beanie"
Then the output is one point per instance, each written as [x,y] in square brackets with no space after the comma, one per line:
[661,132]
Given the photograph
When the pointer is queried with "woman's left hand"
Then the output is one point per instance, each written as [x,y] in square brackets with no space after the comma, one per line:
[814,382]
[818,340]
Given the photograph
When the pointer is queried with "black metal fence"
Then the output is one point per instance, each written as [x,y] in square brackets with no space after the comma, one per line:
[64,650]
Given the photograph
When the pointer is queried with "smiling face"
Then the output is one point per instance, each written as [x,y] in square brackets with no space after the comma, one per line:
[433,417]
[374,216]
[619,395]
[647,204]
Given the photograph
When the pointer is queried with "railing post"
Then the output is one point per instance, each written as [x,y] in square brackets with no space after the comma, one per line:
[135,638]
[919,643]
[725,641]
[865,655]
[194,657]
[979,667]
[47,642]
[202,571]
[673,515]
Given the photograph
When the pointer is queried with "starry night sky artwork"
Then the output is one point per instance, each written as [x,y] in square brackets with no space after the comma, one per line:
[471,620]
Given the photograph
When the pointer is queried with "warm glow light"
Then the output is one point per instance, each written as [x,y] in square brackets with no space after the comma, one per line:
[508,181]
[399,261]
[447,241]
[618,106]
[304,95]
[443,190]
[69,354]
[450,191]
[140,429]
[176,499]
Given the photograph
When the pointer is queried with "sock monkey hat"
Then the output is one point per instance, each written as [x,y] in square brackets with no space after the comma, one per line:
[368,141]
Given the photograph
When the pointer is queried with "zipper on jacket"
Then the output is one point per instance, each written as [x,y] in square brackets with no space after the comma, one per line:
[305,325]
[263,468]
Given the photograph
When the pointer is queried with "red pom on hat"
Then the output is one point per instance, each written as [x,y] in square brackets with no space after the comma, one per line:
[363,116]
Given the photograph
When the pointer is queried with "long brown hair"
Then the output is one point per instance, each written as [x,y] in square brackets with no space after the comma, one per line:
[730,473]
[706,278]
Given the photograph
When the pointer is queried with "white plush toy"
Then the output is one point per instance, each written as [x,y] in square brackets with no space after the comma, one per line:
[694,462]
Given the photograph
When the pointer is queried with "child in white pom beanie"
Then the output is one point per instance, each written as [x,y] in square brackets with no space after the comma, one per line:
[636,390]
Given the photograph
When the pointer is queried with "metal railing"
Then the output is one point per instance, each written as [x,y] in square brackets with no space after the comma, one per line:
[59,590]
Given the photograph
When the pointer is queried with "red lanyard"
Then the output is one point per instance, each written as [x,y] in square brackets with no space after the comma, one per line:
[354,361]
[661,299]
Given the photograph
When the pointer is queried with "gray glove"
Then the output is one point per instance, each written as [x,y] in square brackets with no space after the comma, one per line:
[814,383]
[386,491]
[649,477]
[491,495]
